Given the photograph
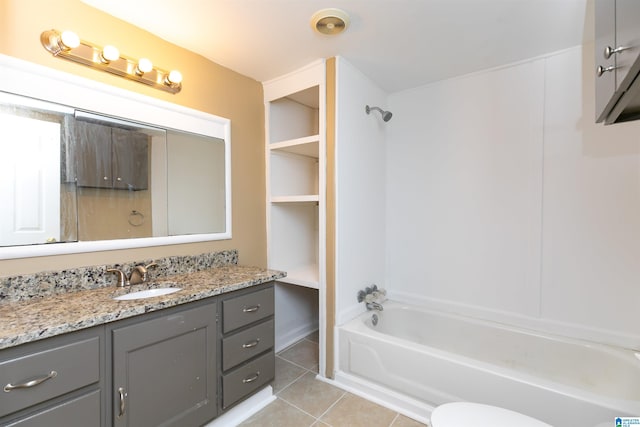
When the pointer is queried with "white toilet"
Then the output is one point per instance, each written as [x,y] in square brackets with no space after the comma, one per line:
[462,414]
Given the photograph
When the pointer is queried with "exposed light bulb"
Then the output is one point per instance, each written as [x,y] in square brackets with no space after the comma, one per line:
[144,66]
[109,53]
[69,39]
[174,77]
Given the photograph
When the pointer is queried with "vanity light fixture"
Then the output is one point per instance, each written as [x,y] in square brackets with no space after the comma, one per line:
[68,45]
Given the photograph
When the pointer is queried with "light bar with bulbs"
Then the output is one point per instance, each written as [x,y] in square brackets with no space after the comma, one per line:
[68,45]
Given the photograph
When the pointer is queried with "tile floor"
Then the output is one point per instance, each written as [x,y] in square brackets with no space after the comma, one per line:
[304,401]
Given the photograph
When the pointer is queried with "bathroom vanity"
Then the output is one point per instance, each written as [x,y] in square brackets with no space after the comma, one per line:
[176,360]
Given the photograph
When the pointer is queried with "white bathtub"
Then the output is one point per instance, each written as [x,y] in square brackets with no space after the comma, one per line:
[433,358]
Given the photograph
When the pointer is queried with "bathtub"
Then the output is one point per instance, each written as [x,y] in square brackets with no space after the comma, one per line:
[428,358]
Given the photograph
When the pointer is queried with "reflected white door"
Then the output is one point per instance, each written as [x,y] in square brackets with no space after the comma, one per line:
[29,181]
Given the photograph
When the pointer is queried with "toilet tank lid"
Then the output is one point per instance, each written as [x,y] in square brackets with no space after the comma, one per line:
[459,414]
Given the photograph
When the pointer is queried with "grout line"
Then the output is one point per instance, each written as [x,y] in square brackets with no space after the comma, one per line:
[344,393]
[286,386]
[394,419]
[298,365]
[299,409]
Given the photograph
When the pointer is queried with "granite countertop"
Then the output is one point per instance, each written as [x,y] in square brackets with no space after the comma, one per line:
[31,320]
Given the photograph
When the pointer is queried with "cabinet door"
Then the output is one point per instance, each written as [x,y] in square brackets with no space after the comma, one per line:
[627,35]
[93,155]
[164,370]
[605,37]
[129,159]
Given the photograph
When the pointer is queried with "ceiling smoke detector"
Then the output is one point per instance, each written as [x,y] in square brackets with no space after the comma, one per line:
[330,21]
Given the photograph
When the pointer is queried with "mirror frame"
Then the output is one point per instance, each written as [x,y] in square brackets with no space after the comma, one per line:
[27,79]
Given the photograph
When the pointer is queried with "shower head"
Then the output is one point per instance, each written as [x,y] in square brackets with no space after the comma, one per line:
[386,115]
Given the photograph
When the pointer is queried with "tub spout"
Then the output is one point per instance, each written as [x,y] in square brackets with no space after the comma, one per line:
[374,306]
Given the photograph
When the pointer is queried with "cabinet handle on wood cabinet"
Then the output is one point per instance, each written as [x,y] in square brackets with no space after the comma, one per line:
[251,344]
[251,309]
[601,70]
[123,396]
[252,378]
[608,51]
[32,383]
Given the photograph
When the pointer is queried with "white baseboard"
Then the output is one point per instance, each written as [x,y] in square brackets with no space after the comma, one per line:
[244,410]
[291,337]
[393,400]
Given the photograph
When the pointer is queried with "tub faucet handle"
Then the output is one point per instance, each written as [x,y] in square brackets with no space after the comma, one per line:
[361,296]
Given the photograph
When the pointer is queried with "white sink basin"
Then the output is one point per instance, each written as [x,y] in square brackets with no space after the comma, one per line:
[147,293]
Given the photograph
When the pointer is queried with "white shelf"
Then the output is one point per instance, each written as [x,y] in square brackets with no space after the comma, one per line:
[311,198]
[306,276]
[305,146]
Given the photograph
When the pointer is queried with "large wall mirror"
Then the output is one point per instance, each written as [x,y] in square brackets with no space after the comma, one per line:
[87,167]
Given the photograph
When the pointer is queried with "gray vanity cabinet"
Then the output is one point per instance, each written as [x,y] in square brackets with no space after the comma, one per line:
[248,358]
[164,369]
[55,382]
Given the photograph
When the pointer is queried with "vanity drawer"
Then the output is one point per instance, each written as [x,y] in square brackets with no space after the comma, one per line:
[246,344]
[83,411]
[248,378]
[245,309]
[46,374]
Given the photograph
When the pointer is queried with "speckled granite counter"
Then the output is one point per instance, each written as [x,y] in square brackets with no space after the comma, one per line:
[39,318]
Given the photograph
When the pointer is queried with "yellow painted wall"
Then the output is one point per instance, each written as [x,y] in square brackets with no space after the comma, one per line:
[207,87]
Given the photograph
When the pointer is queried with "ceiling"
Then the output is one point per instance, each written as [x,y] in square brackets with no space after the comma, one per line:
[399,44]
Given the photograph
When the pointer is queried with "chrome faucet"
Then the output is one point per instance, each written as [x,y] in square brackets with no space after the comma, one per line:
[138,275]
[374,306]
[372,297]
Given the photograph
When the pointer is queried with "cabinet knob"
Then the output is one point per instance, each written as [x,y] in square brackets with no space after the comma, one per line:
[601,70]
[118,179]
[609,51]
[105,178]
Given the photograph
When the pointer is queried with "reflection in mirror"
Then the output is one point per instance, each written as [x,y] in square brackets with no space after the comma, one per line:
[70,175]
[196,184]
[32,197]
[116,175]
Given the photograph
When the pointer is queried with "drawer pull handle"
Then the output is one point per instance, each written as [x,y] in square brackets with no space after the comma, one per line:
[252,309]
[31,383]
[252,378]
[122,396]
[251,344]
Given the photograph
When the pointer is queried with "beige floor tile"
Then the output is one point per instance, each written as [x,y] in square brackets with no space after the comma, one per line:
[320,424]
[303,353]
[313,337]
[354,411]
[286,373]
[311,395]
[279,414]
[402,421]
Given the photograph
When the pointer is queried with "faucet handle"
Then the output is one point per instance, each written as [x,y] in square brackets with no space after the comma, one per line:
[151,264]
[122,280]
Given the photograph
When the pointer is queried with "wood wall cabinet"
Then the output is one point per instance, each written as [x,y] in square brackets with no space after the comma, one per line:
[57,382]
[617,57]
[108,157]
[295,175]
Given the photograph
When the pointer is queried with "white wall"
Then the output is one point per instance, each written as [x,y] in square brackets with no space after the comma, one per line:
[504,200]
[360,197]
